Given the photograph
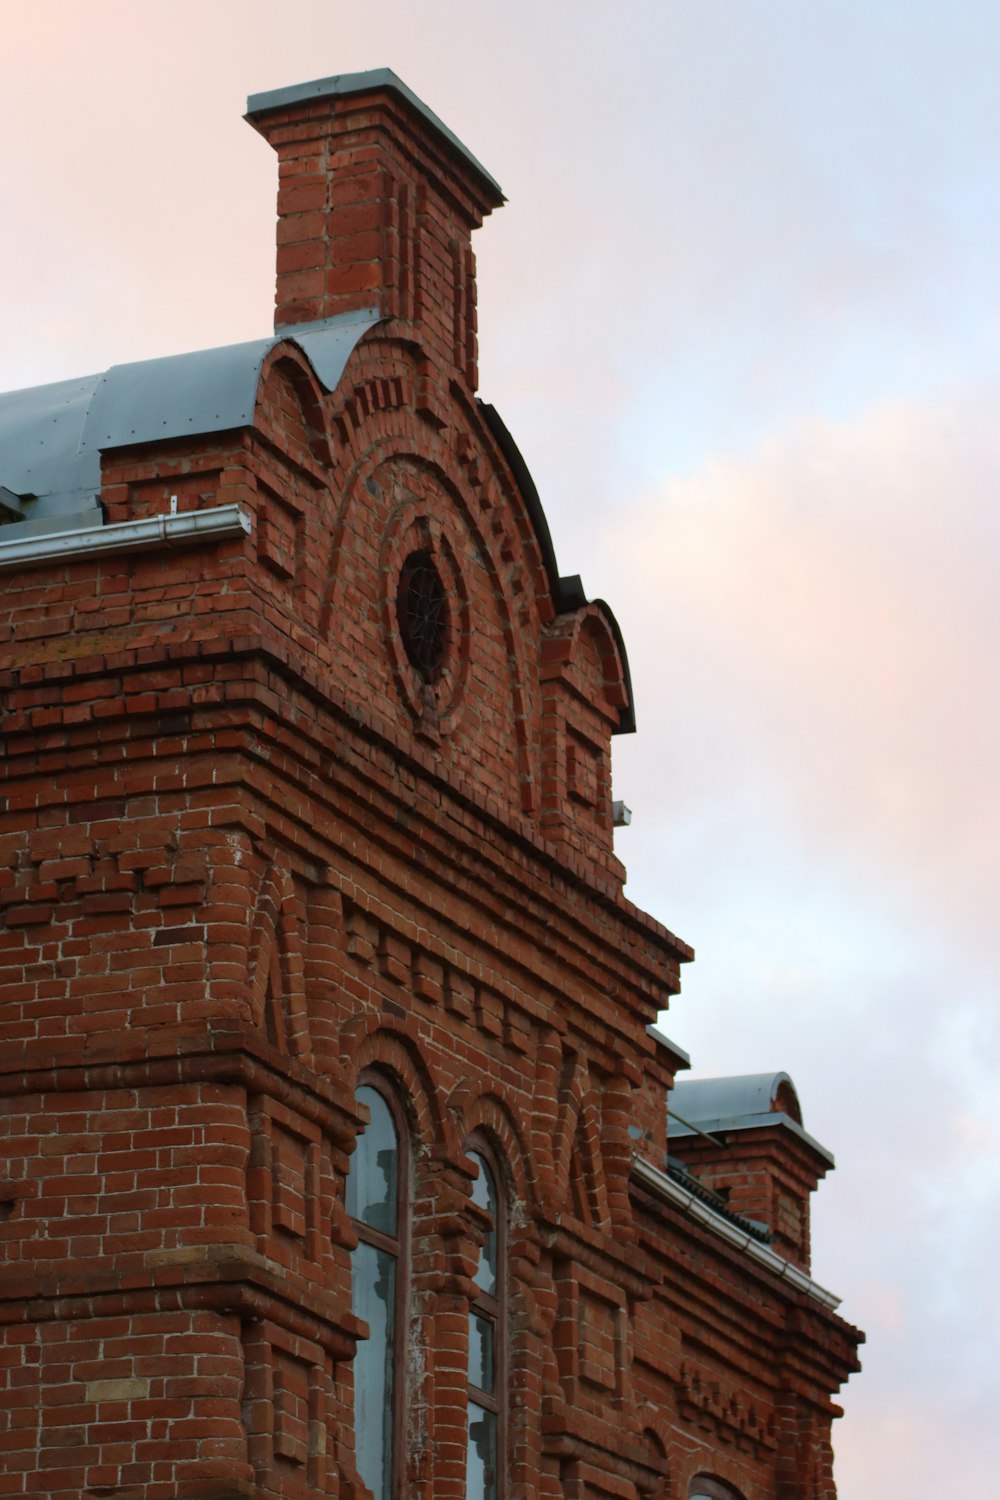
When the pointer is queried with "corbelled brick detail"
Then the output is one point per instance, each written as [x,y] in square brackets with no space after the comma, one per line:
[376,208]
[246,853]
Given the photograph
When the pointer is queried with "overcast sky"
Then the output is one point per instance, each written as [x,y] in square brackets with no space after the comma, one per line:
[741,315]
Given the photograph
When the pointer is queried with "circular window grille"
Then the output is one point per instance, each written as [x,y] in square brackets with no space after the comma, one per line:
[422,613]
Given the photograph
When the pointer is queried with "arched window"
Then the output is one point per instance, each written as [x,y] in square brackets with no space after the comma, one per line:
[487,1342]
[704,1487]
[377,1202]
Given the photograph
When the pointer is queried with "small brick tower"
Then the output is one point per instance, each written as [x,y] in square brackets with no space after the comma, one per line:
[335,1152]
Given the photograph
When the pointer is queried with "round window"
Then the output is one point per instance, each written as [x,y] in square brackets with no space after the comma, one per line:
[422,614]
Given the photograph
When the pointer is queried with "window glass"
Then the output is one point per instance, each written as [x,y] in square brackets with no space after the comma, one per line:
[481,1352]
[372,1195]
[481,1462]
[484,1194]
[486,1334]
[377,1290]
[373,1285]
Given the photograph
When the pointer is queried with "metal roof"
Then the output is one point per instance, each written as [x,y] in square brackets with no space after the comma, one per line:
[674,1188]
[748,1094]
[343,85]
[52,436]
[41,430]
[752,1101]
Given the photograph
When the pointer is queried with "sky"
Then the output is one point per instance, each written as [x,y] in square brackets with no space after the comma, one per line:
[741,315]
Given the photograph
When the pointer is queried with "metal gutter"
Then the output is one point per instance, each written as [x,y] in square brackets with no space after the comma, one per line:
[665,1187]
[190,526]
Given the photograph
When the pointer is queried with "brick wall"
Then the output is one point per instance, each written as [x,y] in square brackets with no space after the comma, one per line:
[247,854]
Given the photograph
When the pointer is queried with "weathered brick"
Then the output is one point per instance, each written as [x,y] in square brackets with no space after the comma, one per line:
[253,846]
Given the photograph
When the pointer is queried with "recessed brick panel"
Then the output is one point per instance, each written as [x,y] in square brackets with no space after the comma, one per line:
[186,725]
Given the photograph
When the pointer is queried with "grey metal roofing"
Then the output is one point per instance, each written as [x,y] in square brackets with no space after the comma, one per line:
[747,1102]
[343,85]
[40,453]
[52,436]
[748,1094]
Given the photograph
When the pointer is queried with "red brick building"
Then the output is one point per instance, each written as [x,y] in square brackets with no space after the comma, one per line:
[336,1156]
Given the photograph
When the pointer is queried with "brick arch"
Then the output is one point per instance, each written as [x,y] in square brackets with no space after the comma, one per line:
[383,375]
[586,646]
[580,1130]
[276,965]
[391,1046]
[710,1481]
[291,406]
[508,498]
[389,375]
[410,529]
[594,629]
[400,435]
[500,1121]
[656,1438]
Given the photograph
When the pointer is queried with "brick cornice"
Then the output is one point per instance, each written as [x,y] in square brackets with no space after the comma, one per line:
[17,722]
[510,855]
[168,1056]
[790,1328]
[224,1279]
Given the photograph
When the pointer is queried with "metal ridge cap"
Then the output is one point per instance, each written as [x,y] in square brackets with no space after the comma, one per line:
[666,1187]
[214,524]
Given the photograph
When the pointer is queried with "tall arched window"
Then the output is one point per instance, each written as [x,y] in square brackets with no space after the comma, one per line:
[376,1201]
[487,1342]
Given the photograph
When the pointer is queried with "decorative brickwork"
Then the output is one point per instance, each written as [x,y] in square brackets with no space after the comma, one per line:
[254,848]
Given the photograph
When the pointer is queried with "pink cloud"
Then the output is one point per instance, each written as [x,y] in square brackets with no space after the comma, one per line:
[834,596]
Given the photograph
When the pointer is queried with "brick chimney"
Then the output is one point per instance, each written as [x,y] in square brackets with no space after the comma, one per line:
[377,201]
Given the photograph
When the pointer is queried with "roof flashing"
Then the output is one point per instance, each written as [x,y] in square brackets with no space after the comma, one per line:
[346,85]
[733,1123]
[682,1058]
